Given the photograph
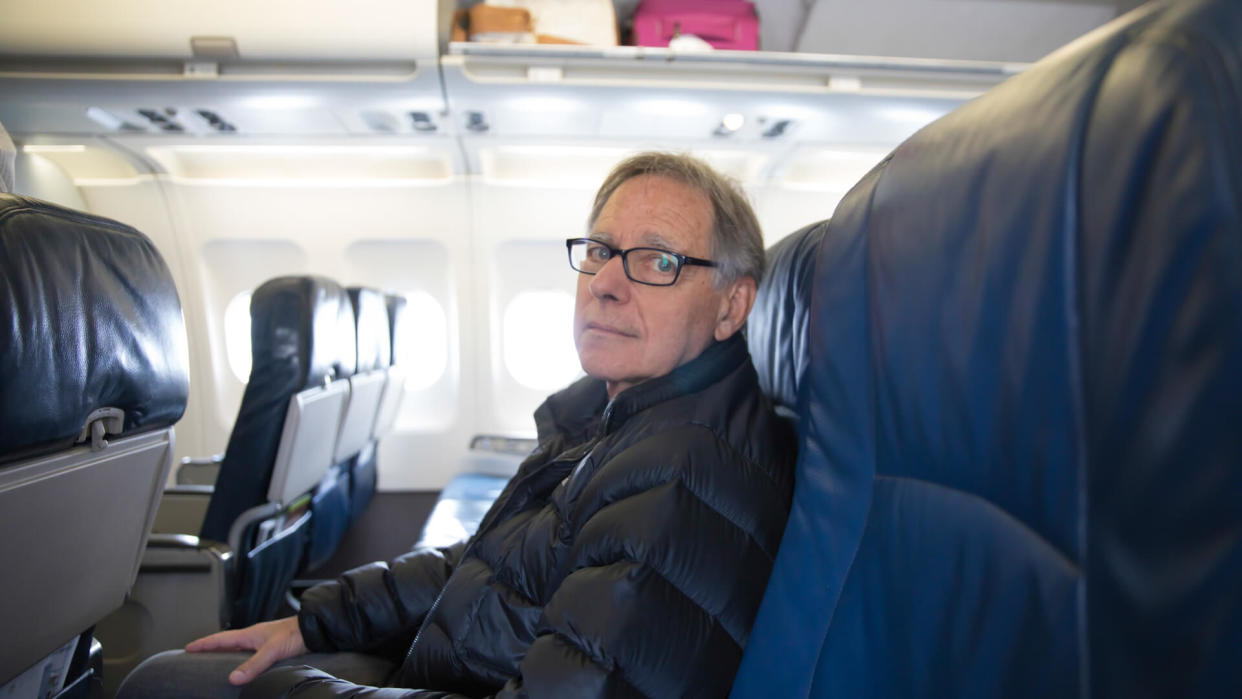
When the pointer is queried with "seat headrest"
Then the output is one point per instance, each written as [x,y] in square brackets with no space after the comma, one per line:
[399,327]
[374,339]
[93,321]
[302,332]
[777,326]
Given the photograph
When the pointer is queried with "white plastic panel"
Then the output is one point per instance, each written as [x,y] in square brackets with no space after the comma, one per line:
[358,420]
[230,268]
[526,272]
[307,441]
[428,273]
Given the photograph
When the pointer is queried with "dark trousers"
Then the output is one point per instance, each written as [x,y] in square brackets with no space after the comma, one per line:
[176,673]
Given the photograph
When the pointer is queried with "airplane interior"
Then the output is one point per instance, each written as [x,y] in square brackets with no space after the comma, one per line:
[286,281]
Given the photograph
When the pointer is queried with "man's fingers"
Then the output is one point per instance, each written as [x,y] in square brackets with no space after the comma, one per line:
[262,659]
[223,640]
[270,640]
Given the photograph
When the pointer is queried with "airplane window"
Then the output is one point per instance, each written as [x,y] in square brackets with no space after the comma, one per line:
[237,335]
[538,339]
[428,328]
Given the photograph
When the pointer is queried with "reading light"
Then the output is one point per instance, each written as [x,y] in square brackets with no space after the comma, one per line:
[729,124]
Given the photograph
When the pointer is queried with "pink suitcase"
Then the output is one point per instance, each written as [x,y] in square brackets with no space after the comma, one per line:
[725,24]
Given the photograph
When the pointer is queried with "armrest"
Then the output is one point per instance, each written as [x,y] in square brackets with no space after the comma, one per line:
[199,471]
[182,509]
[181,594]
[183,553]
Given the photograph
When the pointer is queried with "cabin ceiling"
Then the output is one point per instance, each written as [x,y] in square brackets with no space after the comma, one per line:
[402,80]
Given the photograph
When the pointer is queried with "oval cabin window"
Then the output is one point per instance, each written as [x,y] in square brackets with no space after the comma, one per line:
[538,340]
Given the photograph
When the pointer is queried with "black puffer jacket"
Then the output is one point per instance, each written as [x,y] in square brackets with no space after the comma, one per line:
[627,557]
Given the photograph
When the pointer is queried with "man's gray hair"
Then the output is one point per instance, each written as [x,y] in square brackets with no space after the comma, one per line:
[737,241]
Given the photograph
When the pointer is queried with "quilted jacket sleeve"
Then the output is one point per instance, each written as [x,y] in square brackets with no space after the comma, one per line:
[378,607]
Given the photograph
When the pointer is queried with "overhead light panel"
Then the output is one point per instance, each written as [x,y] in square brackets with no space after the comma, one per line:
[548,165]
[85,164]
[303,163]
[36,148]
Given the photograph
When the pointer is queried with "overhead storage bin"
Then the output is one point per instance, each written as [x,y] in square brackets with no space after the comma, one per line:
[225,30]
[228,68]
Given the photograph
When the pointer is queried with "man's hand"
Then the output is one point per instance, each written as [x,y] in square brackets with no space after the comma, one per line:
[271,642]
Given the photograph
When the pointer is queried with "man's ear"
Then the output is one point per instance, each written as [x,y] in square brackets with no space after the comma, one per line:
[735,307]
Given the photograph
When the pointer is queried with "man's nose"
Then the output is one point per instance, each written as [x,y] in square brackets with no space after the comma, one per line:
[610,281]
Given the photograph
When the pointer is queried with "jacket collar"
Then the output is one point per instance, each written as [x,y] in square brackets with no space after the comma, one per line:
[583,408]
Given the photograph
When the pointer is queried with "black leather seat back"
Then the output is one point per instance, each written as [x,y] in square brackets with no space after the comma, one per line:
[400,329]
[93,373]
[298,341]
[375,325]
[348,487]
[374,351]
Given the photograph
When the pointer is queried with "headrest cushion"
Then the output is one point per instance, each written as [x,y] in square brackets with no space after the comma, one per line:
[94,322]
[301,332]
[777,328]
[399,326]
[374,339]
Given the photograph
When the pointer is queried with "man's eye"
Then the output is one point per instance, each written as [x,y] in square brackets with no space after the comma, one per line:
[664,264]
[598,253]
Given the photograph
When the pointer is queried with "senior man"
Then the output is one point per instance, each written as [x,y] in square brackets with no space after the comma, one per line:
[629,554]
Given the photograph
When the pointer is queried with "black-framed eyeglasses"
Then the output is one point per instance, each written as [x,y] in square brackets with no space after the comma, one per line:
[652,266]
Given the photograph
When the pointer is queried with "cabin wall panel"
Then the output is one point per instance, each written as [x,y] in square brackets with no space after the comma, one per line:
[519,234]
[231,267]
[391,236]
[435,422]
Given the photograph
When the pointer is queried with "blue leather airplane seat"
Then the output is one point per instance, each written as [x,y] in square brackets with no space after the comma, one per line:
[94,371]
[303,352]
[1020,470]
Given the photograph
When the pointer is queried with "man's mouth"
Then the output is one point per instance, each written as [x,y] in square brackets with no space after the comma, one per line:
[608,329]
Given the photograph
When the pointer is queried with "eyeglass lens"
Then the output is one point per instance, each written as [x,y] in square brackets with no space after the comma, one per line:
[647,265]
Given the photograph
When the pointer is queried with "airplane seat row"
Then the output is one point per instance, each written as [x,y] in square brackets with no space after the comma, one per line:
[282,445]
[347,489]
[94,372]
[1020,469]
[297,470]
